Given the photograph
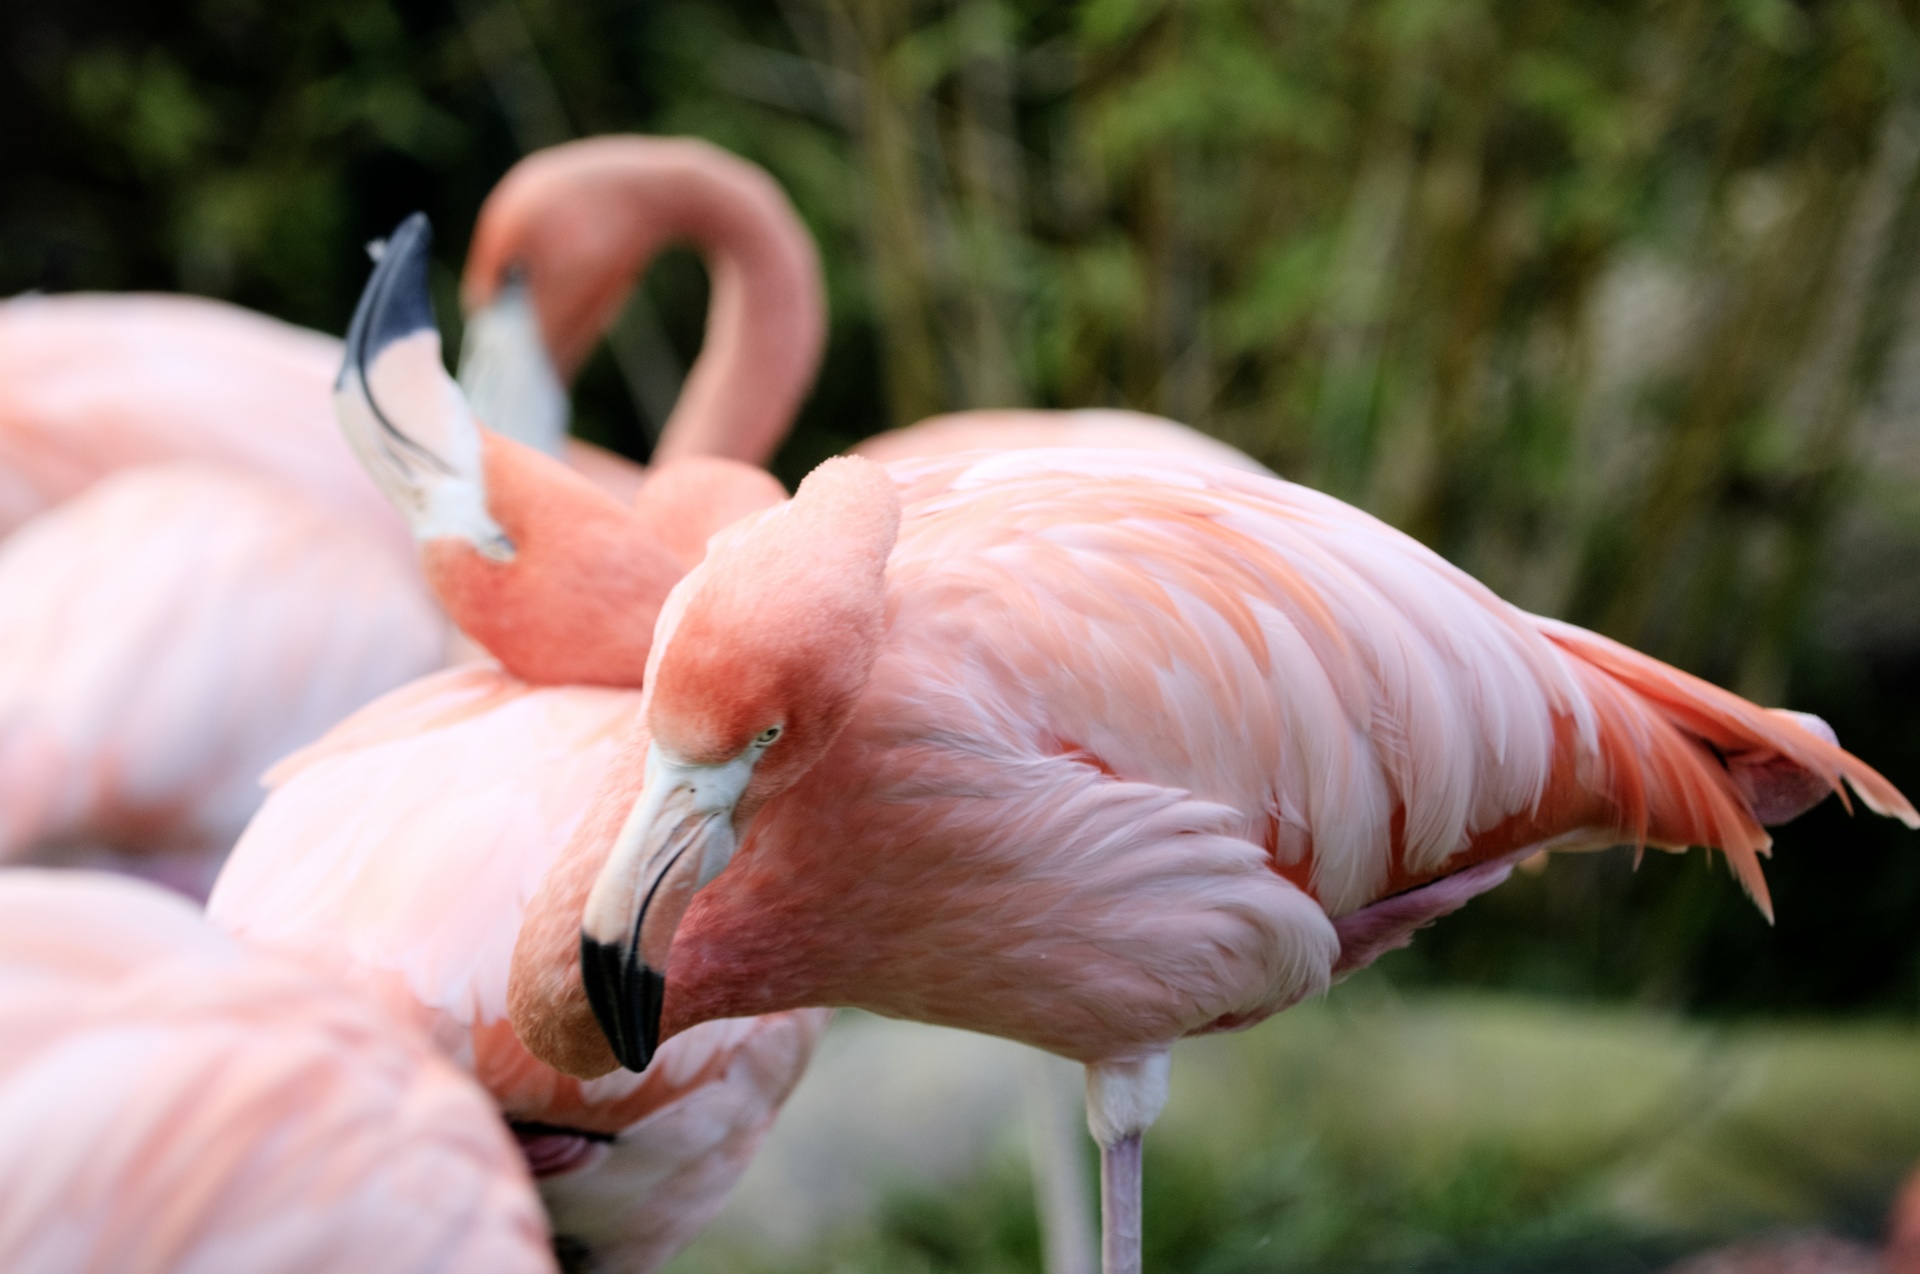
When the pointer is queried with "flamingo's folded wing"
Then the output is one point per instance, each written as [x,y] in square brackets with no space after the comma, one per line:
[98,383]
[171,1100]
[408,841]
[168,634]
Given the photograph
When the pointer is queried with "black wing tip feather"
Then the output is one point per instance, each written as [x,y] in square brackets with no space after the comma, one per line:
[396,302]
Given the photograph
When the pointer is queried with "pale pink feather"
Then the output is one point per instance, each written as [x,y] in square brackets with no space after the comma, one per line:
[173,1104]
[167,635]
[91,384]
[401,850]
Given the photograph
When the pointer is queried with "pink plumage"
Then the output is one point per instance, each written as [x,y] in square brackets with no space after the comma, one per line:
[400,850]
[170,1102]
[1095,751]
[198,576]
[167,634]
[93,384]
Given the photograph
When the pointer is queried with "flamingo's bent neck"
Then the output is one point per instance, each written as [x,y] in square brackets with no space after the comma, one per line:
[580,222]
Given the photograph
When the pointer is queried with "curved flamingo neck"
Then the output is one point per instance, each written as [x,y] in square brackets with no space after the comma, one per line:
[585,219]
[576,603]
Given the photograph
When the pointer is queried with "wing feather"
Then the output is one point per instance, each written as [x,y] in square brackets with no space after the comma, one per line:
[1378,715]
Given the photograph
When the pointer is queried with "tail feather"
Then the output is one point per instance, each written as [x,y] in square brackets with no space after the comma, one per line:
[1687,763]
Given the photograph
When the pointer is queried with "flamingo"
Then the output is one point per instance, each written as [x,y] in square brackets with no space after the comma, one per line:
[397,854]
[115,414]
[398,851]
[174,1102]
[1087,749]
[164,634]
[563,237]
[1823,1253]
[1095,754]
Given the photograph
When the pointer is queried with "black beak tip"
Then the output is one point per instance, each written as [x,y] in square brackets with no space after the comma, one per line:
[627,997]
[396,302]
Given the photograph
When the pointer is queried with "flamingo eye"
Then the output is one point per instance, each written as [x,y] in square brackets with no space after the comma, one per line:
[766,737]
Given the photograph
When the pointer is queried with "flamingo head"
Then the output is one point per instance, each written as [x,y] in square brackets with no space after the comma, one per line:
[758,662]
[557,579]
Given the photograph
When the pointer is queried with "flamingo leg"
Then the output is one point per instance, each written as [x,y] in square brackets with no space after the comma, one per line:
[1120,1206]
[1124,1097]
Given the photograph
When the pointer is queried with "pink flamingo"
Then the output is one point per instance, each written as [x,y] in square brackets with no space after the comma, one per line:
[476,779]
[1096,754]
[1823,1253]
[171,1101]
[1080,749]
[1087,750]
[398,852]
[565,234]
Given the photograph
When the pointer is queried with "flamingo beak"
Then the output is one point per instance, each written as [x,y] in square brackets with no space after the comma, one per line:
[401,413]
[678,837]
[506,373]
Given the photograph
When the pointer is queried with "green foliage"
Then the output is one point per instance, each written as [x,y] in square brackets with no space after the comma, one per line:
[1375,1133]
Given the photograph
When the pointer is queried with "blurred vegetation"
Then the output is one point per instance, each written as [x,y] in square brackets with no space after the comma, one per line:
[1444,1134]
[1616,304]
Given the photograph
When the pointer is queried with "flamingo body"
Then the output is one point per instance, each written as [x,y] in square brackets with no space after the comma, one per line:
[1026,429]
[170,632]
[1139,734]
[92,384]
[399,852]
[173,1103]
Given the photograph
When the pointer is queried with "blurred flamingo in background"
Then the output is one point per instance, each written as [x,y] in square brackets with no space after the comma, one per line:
[199,577]
[172,1101]
[400,850]
[167,633]
[562,239]
[1823,1253]
[234,586]
[1083,749]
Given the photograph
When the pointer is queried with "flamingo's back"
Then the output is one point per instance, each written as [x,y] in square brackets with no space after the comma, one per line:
[1027,429]
[172,1102]
[1377,717]
[170,633]
[91,384]
[401,850]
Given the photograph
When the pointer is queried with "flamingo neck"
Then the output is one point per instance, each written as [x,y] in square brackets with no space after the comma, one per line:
[577,602]
[587,218]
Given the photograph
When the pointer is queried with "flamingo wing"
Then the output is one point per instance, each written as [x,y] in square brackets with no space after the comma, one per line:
[96,383]
[171,1101]
[1379,716]
[401,851]
[171,632]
